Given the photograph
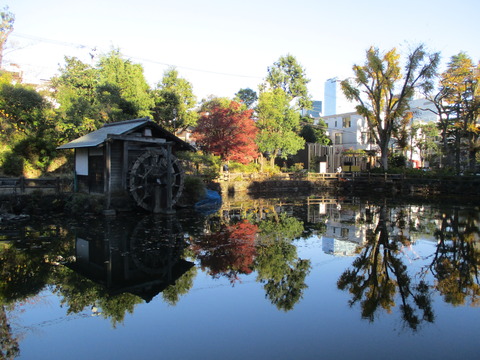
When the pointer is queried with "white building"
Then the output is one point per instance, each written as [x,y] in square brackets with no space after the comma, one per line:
[348,131]
[335,101]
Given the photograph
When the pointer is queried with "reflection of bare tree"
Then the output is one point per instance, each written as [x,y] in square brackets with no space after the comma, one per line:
[456,260]
[378,274]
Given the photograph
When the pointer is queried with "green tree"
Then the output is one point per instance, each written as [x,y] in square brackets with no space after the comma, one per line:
[315,133]
[174,102]
[246,96]
[278,124]
[122,89]
[7,20]
[287,74]
[445,125]
[460,90]
[22,112]
[424,139]
[75,91]
[382,91]
[21,109]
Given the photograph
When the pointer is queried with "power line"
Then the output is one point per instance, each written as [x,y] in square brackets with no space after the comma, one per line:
[83,46]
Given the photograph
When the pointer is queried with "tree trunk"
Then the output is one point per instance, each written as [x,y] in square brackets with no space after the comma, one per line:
[457,153]
[261,160]
[472,160]
[273,156]
[384,156]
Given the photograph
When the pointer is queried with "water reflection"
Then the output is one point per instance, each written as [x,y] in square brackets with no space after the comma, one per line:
[379,274]
[256,236]
[108,267]
[128,263]
[457,257]
[25,268]
[142,261]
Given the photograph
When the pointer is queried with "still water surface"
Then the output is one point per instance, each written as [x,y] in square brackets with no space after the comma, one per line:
[316,278]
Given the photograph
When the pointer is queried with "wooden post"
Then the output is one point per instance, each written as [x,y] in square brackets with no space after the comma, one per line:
[169,195]
[125,165]
[107,172]
[22,184]
[157,207]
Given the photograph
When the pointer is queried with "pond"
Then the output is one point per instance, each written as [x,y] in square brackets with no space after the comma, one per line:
[302,278]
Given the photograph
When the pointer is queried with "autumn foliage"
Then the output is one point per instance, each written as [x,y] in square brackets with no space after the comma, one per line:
[228,132]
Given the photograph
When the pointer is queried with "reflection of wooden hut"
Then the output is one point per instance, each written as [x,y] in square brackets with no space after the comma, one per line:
[133,260]
[136,156]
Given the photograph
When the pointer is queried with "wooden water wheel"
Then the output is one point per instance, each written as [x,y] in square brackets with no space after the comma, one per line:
[151,185]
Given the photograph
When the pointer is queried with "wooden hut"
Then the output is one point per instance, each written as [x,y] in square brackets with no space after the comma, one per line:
[135,156]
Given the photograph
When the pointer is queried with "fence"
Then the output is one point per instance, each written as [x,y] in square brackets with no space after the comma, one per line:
[23,185]
[227,176]
[321,177]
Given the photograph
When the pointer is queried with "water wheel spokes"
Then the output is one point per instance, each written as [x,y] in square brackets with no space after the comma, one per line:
[149,177]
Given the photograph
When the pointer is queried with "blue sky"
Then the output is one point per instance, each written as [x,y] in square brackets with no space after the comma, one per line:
[221,46]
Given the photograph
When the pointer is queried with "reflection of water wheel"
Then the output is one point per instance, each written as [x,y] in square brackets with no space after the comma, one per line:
[149,177]
[156,245]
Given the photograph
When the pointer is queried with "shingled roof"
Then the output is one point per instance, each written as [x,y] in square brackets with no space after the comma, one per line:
[99,136]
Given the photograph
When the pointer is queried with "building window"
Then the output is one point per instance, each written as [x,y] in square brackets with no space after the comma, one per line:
[338,138]
[347,122]
[365,138]
[344,232]
[335,123]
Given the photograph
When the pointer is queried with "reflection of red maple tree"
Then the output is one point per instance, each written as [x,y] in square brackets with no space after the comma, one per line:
[228,252]
[228,132]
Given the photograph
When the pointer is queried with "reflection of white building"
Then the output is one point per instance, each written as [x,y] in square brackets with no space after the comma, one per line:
[344,233]
[349,224]
[338,247]
[344,229]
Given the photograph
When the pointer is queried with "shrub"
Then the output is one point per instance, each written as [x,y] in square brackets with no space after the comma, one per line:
[80,203]
[12,164]
[194,190]
[244,168]
[397,161]
[38,152]
[198,163]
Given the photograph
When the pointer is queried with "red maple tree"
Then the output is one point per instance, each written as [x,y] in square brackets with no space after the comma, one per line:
[228,132]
